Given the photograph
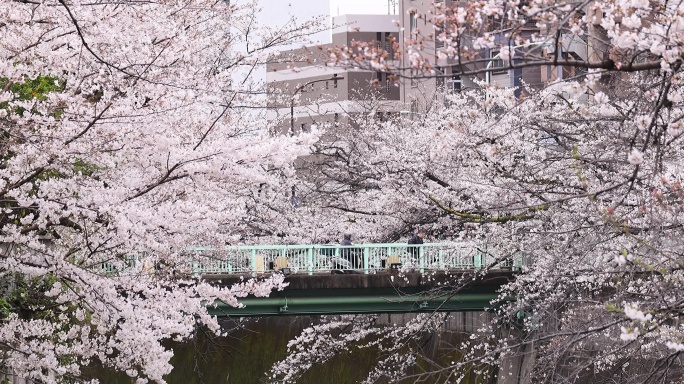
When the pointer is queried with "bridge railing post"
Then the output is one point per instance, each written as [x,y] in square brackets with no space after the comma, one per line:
[480,260]
[253,266]
[310,262]
[334,262]
[229,261]
[421,258]
[283,254]
[366,256]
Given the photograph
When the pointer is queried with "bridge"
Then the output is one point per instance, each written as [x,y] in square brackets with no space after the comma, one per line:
[337,279]
[361,258]
[364,278]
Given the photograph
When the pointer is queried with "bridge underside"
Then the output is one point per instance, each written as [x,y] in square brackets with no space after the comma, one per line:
[377,293]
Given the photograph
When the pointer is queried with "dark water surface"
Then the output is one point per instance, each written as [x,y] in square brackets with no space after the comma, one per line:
[247,354]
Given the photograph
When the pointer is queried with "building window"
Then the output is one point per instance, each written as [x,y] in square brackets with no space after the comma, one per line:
[454,84]
[439,43]
[336,118]
[383,82]
[440,79]
[388,45]
[413,22]
[304,128]
[327,86]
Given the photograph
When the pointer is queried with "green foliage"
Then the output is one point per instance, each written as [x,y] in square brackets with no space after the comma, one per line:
[37,88]
[5,309]
[575,152]
[614,308]
[31,89]
[84,168]
[26,297]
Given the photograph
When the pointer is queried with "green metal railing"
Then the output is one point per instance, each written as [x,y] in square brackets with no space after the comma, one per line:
[362,258]
[316,258]
[129,262]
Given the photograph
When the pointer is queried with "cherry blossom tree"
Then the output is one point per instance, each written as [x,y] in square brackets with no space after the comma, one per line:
[582,176]
[129,129]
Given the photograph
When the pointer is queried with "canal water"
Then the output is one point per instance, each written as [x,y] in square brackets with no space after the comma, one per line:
[247,354]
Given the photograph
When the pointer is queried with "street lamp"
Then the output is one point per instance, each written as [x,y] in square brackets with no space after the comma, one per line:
[334,78]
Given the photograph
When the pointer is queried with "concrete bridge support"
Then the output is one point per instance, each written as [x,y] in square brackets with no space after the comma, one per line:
[517,368]
[9,378]
[12,379]
[456,322]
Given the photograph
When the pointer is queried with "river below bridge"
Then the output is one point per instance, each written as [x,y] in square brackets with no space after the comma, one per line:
[247,354]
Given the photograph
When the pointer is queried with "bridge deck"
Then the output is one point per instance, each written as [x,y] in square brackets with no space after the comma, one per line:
[372,293]
[373,278]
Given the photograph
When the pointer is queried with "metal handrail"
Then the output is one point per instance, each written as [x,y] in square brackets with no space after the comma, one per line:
[327,258]
[358,258]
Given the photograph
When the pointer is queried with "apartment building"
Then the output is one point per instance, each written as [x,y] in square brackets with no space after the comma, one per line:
[303,89]
[423,94]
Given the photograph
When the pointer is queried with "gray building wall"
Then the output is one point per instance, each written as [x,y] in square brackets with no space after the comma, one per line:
[321,101]
[421,95]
